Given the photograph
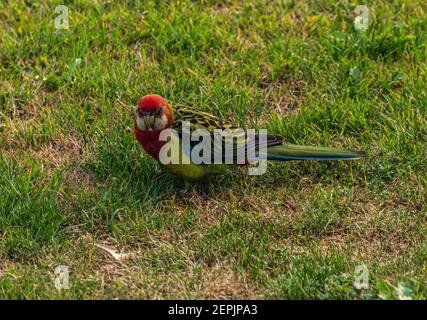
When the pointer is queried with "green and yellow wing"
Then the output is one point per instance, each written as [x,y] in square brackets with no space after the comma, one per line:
[230,132]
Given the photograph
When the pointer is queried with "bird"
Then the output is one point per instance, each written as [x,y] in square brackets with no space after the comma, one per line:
[154,115]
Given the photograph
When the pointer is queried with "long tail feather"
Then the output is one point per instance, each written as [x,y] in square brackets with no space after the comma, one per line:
[287,152]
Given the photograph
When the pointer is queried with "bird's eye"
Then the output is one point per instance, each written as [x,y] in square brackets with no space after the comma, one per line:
[159,111]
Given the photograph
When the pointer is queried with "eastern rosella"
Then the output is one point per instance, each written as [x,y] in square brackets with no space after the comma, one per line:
[154,114]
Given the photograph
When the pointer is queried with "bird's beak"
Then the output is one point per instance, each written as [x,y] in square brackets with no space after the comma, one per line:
[149,121]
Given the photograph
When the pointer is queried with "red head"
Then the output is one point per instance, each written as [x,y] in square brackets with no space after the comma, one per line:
[154,114]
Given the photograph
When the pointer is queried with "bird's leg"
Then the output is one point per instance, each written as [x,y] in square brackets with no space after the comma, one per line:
[159,173]
[158,176]
[186,188]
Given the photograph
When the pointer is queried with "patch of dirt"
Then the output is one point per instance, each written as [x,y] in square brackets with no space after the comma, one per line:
[285,97]
[63,150]
[220,282]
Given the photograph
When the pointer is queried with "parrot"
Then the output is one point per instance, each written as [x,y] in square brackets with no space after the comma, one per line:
[154,114]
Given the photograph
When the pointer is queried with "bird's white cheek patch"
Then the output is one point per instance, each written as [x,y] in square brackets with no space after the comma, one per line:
[160,122]
[140,123]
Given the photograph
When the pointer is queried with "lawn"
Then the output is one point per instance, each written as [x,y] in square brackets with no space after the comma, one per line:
[73,178]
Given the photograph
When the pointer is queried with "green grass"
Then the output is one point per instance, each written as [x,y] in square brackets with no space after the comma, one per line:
[72,174]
